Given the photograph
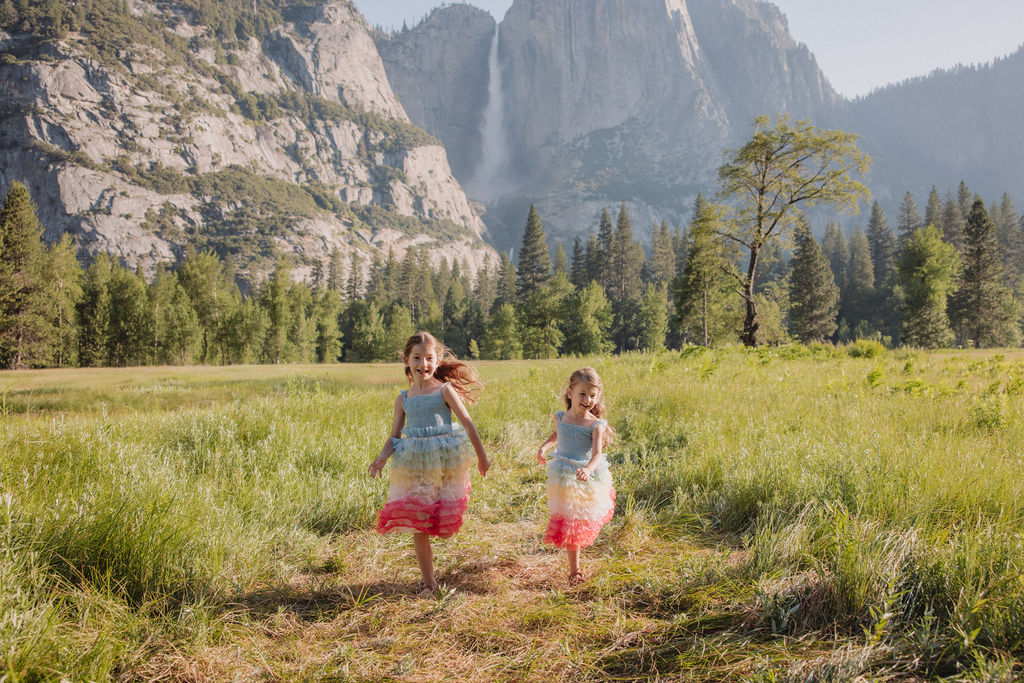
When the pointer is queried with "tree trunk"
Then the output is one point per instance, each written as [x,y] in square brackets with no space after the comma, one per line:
[704,315]
[750,321]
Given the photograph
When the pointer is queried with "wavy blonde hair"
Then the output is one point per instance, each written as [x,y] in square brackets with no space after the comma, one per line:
[460,375]
[589,376]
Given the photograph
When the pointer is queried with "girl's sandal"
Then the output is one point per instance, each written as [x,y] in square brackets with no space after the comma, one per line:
[576,578]
[425,591]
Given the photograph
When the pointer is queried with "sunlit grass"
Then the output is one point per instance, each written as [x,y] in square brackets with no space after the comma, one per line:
[783,514]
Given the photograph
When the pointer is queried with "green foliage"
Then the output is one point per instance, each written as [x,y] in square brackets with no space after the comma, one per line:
[534,269]
[27,332]
[783,167]
[982,310]
[813,294]
[927,269]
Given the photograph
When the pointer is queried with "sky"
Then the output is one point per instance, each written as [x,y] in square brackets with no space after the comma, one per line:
[860,45]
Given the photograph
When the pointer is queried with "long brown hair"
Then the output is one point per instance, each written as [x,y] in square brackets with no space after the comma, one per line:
[589,376]
[460,375]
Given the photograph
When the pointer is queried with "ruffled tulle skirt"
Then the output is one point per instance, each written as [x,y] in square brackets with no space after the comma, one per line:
[429,482]
[578,508]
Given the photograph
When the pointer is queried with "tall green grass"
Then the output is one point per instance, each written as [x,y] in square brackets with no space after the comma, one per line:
[766,498]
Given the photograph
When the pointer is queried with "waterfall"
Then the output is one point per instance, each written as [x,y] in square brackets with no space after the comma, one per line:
[488,177]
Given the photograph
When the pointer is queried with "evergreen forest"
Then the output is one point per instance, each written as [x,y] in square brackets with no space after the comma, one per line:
[948,276]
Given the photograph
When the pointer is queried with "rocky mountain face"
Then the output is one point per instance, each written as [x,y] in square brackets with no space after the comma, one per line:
[953,125]
[444,89]
[611,100]
[146,133]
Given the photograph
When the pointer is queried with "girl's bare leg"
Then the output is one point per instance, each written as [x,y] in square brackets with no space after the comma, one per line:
[425,559]
[574,564]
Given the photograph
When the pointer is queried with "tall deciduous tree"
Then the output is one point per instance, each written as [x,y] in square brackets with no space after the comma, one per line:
[982,310]
[927,268]
[785,166]
[534,268]
[26,327]
[813,294]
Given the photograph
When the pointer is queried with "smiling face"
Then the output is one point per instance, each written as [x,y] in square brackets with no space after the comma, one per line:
[422,362]
[583,395]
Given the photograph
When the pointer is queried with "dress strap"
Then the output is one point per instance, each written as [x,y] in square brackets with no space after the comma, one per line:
[404,393]
[559,414]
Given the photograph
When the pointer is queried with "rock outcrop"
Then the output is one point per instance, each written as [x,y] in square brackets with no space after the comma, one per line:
[611,100]
[294,143]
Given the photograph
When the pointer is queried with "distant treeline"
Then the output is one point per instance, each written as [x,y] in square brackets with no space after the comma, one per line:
[950,277]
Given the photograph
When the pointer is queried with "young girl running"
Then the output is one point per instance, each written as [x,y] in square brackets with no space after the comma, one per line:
[580,493]
[430,471]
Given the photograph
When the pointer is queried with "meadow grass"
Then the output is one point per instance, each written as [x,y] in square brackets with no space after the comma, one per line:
[784,514]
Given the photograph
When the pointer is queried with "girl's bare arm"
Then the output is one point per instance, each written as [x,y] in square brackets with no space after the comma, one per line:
[584,472]
[397,421]
[451,398]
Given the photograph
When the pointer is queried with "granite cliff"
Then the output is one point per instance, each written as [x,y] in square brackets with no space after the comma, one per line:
[144,133]
[612,99]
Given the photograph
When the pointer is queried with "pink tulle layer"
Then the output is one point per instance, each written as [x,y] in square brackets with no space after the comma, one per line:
[441,518]
[567,532]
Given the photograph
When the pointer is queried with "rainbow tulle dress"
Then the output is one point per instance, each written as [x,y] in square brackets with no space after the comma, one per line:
[429,471]
[578,508]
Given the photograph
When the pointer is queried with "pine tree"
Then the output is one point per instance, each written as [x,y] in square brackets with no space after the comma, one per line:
[27,334]
[653,318]
[964,200]
[274,300]
[703,292]
[302,331]
[354,285]
[859,295]
[1005,220]
[909,218]
[882,244]
[626,259]
[578,270]
[506,293]
[245,328]
[837,251]
[927,268]
[561,260]
[662,266]
[63,278]
[588,320]
[933,210]
[603,269]
[534,269]
[485,289]
[328,333]
[212,292]
[952,223]
[131,320]
[982,309]
[336,271]
[813,295]
[593,259]
[541,318]
[94,314]
[502,339]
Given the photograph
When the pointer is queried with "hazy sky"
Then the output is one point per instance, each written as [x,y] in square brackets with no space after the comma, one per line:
[859,44]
